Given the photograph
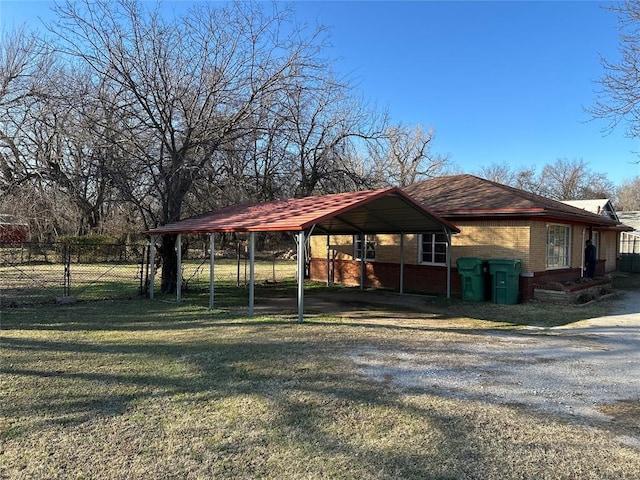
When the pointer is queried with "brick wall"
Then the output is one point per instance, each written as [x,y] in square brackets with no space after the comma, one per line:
[417,278]
[522,239]
[557,275]
[508,239]
[493,239]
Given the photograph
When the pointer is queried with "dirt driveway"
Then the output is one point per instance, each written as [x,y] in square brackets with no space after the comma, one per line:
[589,370]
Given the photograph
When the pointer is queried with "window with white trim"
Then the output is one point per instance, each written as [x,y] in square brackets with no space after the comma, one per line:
[369,245]
[433,248]
[558,243]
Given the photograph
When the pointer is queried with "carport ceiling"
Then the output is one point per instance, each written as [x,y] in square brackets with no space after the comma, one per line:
[387,210]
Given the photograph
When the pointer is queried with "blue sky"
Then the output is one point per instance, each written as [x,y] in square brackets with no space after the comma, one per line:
[500,82]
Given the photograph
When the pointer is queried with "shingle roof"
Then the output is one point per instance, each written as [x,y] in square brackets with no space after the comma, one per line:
[599,206]
[460,196]
[388,210]
[631,218]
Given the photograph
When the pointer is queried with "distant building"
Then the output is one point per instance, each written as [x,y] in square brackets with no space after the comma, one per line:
[630,241]
[599,206]
[12,231]
[495,221]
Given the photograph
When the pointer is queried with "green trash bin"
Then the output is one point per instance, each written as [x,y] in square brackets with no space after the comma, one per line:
[471,270]
[505,280]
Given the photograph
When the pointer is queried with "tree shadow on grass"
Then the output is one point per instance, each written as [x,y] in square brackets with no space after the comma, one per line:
[225,370]
[80,379]
[320,406]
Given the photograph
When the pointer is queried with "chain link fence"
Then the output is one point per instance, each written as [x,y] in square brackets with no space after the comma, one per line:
[45,273]
[41,273]
[231,267]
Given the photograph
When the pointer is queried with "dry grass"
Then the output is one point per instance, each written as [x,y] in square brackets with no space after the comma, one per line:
[137,390]
[42,282]
[625,416]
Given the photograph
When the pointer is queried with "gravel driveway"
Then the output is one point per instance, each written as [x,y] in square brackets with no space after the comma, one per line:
[576,370]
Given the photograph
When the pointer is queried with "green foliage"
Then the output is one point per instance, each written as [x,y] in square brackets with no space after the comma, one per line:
[86,240]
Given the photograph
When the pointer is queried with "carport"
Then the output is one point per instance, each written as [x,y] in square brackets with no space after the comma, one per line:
[387,210]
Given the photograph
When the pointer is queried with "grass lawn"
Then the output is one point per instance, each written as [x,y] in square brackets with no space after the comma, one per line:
[151,390]
[22,284]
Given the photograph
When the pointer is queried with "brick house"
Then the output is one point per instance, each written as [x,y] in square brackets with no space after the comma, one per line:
[495,221]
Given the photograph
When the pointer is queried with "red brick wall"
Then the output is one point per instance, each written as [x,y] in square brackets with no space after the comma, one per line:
[422,278]
[560,275]
[417,278]
[14,233]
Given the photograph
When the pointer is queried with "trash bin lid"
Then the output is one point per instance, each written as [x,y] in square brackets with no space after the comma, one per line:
[468,263]
[512,265]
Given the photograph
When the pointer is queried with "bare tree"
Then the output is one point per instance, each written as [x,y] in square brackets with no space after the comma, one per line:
[526,179]
[501,173]
[523,178]
[563,180]
[628,195]
[403,156]
[320,123]
[23,66]
[573,180]
[67,151]
[26,139]
[185,88]
[619,97]
[47,210]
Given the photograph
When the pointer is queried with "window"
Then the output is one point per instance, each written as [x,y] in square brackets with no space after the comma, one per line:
[558,242]
[595,238]
[370,247]
[433,248]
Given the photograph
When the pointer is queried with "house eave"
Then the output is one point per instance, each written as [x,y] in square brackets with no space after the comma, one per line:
[531,214]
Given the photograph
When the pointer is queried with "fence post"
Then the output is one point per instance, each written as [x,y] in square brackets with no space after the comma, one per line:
[212,248]
[238,258]
[66,259]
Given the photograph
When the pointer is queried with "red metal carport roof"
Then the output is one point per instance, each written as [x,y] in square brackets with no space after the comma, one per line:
[388,210]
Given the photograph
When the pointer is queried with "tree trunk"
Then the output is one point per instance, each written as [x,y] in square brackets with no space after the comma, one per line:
[167,252]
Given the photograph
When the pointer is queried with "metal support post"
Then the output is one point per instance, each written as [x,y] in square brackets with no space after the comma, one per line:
[252,264]
[152,267]
[328,262]
[211,270]
[301,263]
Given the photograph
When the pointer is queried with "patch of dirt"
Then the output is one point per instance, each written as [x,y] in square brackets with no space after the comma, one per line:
[586,371]
[625,416]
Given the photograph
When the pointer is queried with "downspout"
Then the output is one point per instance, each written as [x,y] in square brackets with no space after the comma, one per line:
[328,261]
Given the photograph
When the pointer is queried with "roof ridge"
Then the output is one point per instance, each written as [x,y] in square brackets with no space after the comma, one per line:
[545,203]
